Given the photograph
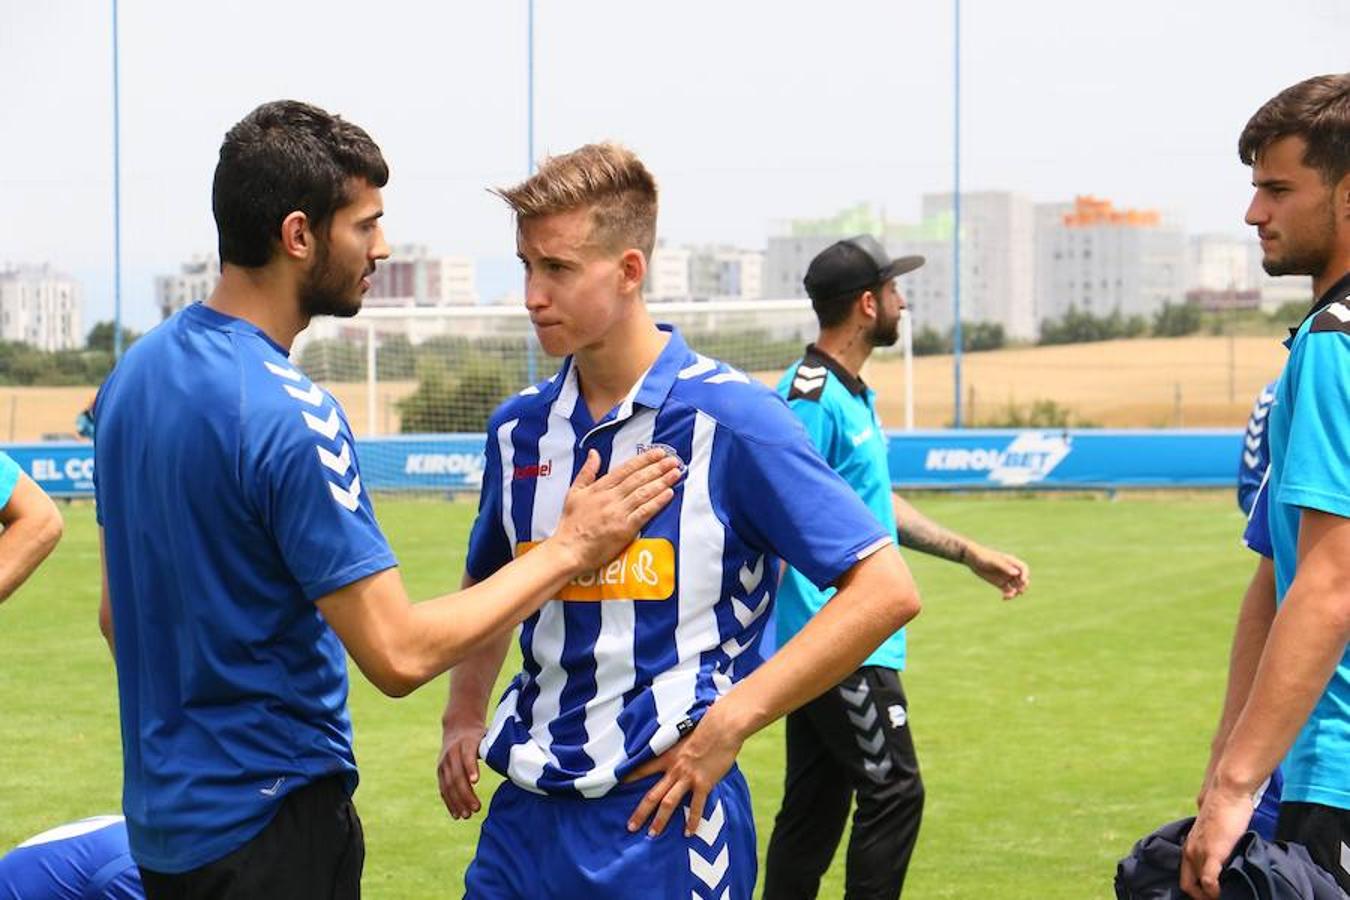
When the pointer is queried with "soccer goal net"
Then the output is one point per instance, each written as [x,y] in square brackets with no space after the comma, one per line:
[418,384]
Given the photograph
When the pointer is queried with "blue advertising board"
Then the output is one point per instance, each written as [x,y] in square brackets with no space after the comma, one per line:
[987,459]
[1089,458]
[61,468]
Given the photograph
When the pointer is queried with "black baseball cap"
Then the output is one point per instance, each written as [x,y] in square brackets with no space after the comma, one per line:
[852,265]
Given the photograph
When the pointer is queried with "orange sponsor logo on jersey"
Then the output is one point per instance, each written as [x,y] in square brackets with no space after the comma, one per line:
[644,571]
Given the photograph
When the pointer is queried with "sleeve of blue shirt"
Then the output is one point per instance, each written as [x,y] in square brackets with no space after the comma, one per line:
[1315,471]
[9,477]
[326,545]
[489,547]
[1255,455]
[782,496]
[1257,534]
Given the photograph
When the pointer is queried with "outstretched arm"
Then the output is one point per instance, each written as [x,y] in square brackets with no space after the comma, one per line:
[918,532]
[32,526]
[399,646]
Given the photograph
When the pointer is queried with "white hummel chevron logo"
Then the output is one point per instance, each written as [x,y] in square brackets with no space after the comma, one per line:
[313,396]
[1251,459]
[327,427]
[709,828]
[1255,426]
[744,614]
[854,698]
[529,391]
[700,365]
[870,747]
[340,462]
[751,577]
[729,375]
[877,770]
[710,873]
[282,371]
[1262,411]
[1253,443]
[1340,311]
[811,371]
[733,648]
[1345,858]
[864,721]
[807,385]
[349,498]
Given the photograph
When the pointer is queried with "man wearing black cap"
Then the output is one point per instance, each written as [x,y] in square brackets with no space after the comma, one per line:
[855,739]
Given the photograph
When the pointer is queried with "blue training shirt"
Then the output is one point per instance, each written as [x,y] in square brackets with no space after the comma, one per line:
[839,412]
[1255,458]
[628,658]
[9,477]
[1310,469]
[230,500]
[84,860]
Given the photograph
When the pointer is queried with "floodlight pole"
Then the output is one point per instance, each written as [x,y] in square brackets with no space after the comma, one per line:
[531,363]
[956,219]
[117,195]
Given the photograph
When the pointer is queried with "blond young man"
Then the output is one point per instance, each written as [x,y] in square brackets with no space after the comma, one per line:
[641,680]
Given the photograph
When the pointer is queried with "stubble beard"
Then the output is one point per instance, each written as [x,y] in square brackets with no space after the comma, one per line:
[1309,256]
[325,291]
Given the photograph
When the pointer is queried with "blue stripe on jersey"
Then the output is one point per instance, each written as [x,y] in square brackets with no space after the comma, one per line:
[581,623]
[653,650]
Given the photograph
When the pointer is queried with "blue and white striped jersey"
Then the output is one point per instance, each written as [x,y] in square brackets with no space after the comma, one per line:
[629,657]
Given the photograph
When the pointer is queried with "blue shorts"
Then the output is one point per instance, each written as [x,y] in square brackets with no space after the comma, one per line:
[537,846]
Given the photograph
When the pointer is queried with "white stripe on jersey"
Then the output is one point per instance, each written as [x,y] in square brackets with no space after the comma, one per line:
[508,452]
[615,668]
[700,581]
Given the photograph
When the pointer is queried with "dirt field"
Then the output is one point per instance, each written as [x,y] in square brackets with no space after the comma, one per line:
[1127,384]
[1164,382]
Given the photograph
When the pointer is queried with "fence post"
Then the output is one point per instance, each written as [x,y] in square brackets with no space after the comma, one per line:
[372,429]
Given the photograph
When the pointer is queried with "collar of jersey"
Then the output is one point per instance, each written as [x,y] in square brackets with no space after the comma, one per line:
[215,319]
[1338,291]
[651,389]
[816,356]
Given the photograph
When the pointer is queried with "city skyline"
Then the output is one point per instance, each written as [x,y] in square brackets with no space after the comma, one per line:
[748,113]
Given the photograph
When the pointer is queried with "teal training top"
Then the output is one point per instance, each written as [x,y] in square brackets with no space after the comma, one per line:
[1310,470]
[839,413]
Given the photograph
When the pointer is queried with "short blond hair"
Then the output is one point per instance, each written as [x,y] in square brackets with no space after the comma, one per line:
[606,177]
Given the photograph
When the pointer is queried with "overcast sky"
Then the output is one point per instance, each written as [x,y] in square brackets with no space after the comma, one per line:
[748,113]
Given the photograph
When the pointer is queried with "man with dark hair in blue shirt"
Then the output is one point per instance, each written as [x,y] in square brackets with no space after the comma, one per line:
[1290,665]
[241,550]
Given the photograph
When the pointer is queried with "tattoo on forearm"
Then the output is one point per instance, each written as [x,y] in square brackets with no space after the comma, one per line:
[932,539]
[918,532]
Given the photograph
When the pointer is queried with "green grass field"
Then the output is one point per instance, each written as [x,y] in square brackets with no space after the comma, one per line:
[1053,731]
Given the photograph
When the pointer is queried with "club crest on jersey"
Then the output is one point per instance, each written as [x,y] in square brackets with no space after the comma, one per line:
[665,448]
[539,470]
